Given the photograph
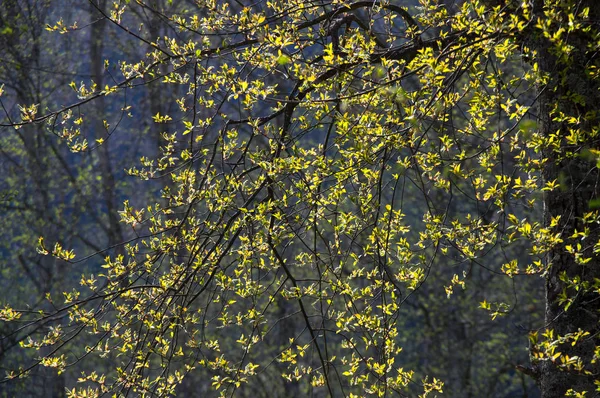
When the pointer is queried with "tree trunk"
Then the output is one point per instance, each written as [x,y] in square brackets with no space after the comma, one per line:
[579,180]
[108,187]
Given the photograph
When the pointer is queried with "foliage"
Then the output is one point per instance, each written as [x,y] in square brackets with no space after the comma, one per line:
[330,171]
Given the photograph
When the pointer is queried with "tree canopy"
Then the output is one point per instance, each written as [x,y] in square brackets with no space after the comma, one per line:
[294,198]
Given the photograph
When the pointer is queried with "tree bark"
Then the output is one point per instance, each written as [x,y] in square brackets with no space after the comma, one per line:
[108,186]
[579,180]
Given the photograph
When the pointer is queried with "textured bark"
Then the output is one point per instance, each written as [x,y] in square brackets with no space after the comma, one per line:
[579,180]
[108,187]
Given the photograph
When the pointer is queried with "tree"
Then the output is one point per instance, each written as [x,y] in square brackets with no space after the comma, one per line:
[569,123]
[332,173]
